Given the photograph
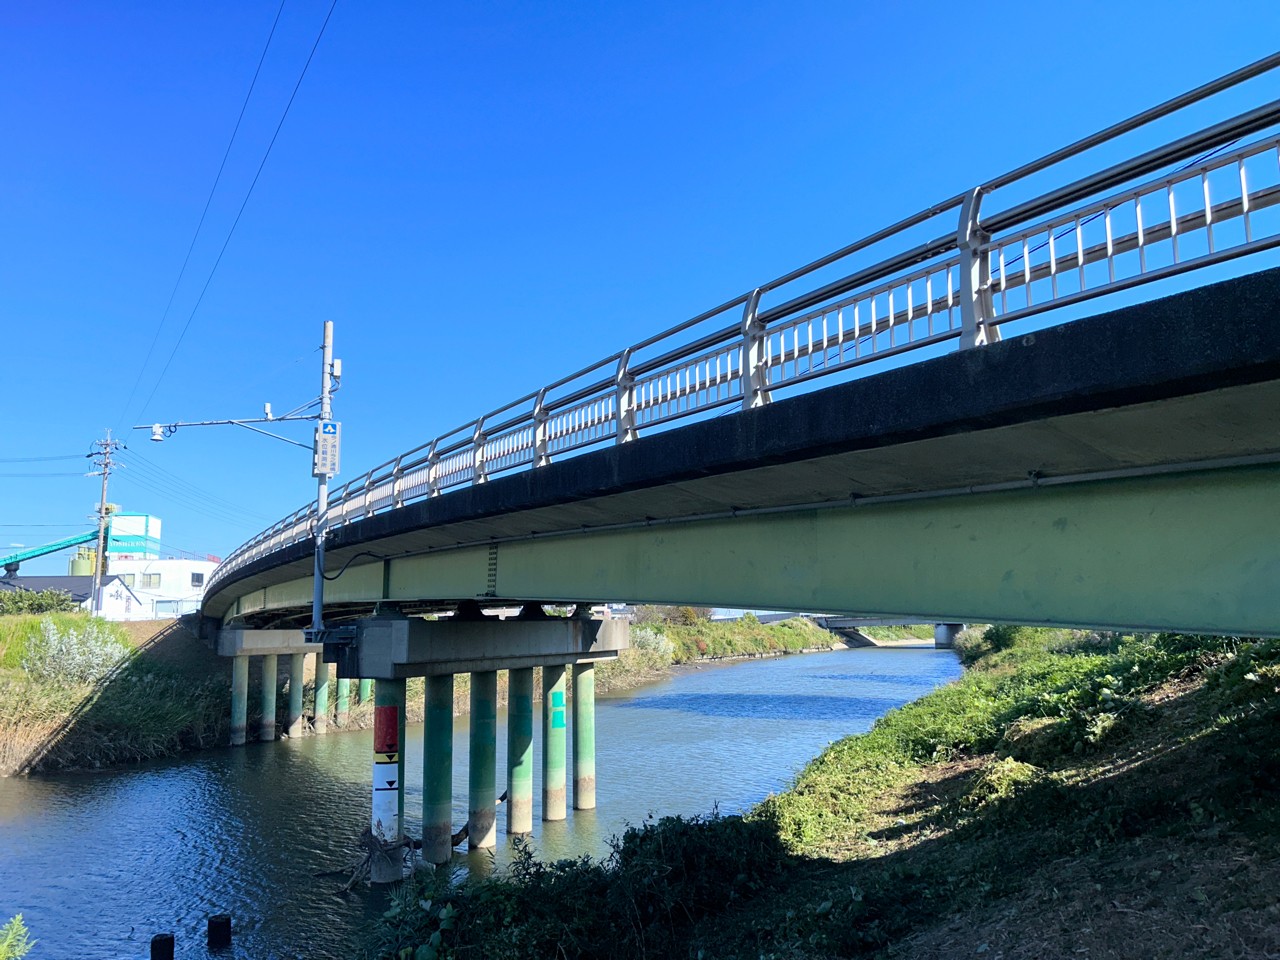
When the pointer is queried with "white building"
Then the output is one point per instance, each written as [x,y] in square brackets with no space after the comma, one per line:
[163,587]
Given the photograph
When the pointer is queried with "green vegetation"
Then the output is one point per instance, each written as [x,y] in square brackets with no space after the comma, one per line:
[686,641]
[1072,793]
[14,602]
[75,692]
[15,942]
[910,631]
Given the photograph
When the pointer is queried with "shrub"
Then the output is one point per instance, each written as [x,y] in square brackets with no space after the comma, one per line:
[78,653]
[36,601]
[15,942]
[648,637]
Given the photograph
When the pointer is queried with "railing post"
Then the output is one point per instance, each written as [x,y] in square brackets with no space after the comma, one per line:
[397,475]
[433,471]
[541,447]
[477,445]
[976,306]
[755,365]
[626,400]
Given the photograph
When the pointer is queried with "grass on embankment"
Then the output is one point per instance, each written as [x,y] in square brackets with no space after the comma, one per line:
[167,693]
[1072,795]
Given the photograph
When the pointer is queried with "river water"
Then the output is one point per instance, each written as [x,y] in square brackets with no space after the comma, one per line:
[99,862]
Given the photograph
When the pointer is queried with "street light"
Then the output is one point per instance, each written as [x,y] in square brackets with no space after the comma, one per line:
[324,464]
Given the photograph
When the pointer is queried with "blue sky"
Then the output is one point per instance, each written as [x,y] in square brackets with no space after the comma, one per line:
[481,196]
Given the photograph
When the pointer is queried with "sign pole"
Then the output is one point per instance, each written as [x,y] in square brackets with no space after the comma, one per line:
[322,468]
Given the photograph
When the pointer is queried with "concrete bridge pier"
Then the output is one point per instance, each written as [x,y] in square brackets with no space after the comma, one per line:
[482,769]
[321,723]
[366,690]
[553,742]
[944,635]
[520,751]
[270,679]
[387,814]
[297,665]
[344,702]
[437,770]
[239,699]
[584,736]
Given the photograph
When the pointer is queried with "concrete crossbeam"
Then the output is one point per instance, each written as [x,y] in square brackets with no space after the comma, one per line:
[399,647]
[242,641]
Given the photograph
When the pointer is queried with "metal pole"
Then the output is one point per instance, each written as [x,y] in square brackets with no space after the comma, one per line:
[322,511]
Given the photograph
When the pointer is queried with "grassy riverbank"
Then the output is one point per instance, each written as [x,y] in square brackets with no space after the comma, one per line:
[1072,795]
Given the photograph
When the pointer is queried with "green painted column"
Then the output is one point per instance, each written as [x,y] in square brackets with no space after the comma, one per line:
[387,813]
[437,771]
[553,727]
[270,677]
[297,667]
[366,690]
[239,699]
[344,701]
[584,736]
[483,795]
[321,722]
[520,751]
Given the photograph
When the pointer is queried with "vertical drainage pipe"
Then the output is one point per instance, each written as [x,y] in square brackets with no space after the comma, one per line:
[553,728]
[437,770]
[239,699]
[267,729]
[520,752]
[297,667]
[387,814]
[584,736]
[483,797]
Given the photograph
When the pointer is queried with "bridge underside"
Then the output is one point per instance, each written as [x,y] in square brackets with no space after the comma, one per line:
[1115,472]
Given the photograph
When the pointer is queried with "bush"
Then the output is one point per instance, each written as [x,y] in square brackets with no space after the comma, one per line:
[36,601]
[648,637]
[15,943]
[78,653]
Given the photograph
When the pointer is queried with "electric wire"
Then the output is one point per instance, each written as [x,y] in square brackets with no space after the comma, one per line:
[162,475]
[191,502]
[182,272]
[45,475]
[235,223]
[70,456]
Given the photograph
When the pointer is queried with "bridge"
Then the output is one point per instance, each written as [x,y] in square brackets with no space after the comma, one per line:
[1017,405]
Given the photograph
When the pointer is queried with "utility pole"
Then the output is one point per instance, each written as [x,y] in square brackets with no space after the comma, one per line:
[323,467]
[101,454]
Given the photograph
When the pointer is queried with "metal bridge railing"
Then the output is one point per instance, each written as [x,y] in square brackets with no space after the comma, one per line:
[1199,200]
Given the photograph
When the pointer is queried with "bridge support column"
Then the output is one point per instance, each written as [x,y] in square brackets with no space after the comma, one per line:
[239,699]
[584,736]
[297,666]
[366,690]
[944,634]
[483,796]
[322,695]
[387,817]
[553,772]
[270,678]
[344,701]
[520,751]
[437,770]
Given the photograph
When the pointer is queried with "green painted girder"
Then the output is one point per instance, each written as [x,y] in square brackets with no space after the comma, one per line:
[30,553]
[1195,551]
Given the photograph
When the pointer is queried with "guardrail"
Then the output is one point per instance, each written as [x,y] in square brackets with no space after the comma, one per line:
[1199,200]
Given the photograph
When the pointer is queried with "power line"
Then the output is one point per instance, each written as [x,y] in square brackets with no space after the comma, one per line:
[240,213]
[42,474]
[70,456]
[165,477]
[203,214]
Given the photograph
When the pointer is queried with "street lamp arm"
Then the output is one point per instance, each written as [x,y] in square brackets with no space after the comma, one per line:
[267,433]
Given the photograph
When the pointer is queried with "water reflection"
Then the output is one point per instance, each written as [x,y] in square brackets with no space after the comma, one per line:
[768,706]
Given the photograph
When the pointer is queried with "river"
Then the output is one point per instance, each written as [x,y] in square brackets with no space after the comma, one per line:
[99,862]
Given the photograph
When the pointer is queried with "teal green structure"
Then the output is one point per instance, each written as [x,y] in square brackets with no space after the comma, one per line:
[553,743]
[344,701]
[321,723]
[239,699]
[297,668]
[366,690]
[520,751]
[437,770]
[584,736]
[267,730]
[482,768]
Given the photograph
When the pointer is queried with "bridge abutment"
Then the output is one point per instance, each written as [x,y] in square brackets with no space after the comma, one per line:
[944,634]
